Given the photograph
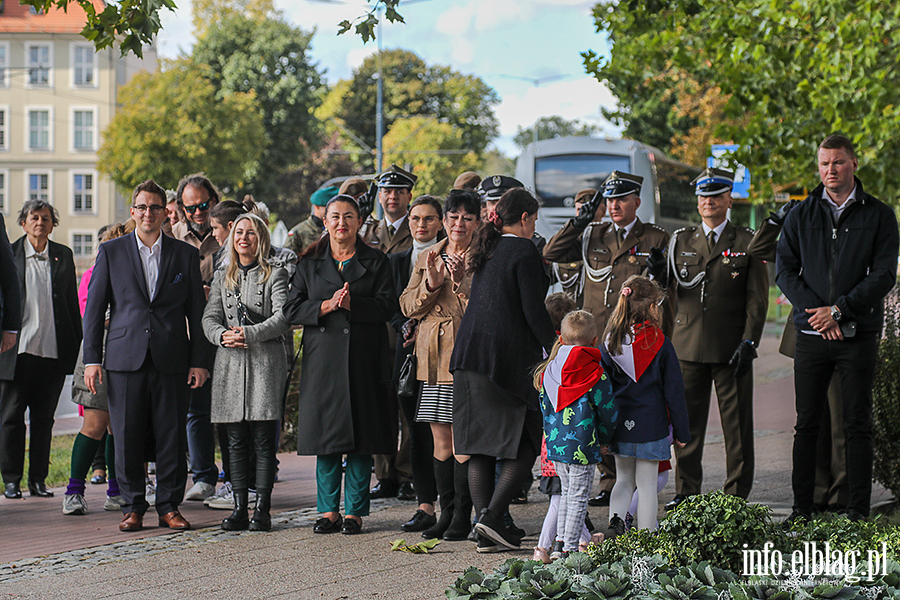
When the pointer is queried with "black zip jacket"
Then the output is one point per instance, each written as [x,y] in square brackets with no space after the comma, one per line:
[851,263]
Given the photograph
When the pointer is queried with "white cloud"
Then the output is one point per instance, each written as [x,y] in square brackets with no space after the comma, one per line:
[356,56]
[578,99]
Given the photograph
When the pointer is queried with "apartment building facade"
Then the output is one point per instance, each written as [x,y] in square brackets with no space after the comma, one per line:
[56,97]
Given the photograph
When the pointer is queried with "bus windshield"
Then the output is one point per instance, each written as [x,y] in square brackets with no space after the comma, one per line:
[558,178]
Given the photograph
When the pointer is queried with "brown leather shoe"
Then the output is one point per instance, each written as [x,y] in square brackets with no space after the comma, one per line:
[174,520]
[132,522]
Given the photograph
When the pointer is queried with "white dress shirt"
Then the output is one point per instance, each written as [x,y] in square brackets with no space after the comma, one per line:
[718,230]
[150,261]
[38,335]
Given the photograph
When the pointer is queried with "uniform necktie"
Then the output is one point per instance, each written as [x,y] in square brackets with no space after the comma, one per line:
[391,229]
[711,240]
[620,234]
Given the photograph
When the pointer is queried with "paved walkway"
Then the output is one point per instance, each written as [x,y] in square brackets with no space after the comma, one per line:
[46,555]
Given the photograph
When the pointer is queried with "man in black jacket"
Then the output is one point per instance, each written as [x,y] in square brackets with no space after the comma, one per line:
[836,261]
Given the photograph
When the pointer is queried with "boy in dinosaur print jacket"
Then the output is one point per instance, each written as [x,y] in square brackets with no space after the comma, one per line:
[579,418]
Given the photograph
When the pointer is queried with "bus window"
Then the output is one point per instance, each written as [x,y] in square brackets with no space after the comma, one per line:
[558,178]
[677,200]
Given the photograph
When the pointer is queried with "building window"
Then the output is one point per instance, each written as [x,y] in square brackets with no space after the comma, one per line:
[4,112]
[83,193]
[4,176]
[83,71]
[39,186]
[83,244]
[39,64]
[4,65]
[39,129]
[83,135]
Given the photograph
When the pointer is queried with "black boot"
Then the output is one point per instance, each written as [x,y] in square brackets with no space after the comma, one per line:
[443,481]
[461,525]
[238,520]
[262,520]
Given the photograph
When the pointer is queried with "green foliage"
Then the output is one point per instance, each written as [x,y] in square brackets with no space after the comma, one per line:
[635,541]
[419,548]
[475,585]
[715,527]
[172,122]
[410,89]
[364,26]
[552,127]
[131,23]
[792,72]
[886,401]
[269,58]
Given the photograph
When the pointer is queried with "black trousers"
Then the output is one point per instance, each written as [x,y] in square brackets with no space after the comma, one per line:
[815,360]
[421,451]
[36,386]
[260,437]
[140,402]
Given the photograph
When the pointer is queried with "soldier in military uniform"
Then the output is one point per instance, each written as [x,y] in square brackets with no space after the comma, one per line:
[611,253]
[392,234]
[570,275]
[722,297]
[309,231]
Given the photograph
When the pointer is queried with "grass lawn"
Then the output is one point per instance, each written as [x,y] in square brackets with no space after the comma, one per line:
[60,455]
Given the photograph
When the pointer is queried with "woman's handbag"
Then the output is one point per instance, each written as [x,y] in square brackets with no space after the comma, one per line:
[408,385]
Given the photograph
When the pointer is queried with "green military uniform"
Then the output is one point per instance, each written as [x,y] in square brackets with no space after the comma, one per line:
[722,297]
[607,265]
[379,237]
[303,234]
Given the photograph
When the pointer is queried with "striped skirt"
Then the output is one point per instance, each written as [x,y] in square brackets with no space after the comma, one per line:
[435,404]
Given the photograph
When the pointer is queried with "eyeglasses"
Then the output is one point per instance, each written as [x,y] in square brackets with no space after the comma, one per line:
[427,220]
[154,209]
[201,207]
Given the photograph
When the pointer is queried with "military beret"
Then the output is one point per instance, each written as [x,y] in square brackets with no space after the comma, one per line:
[322,196]
[585,195]
[395,177]
[354,186]
[491,188]
[712,182]
[467,181]
[620,184]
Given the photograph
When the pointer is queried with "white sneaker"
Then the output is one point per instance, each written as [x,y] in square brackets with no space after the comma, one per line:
[251,500]
[150,493]
[74,504]
[223,499]
[114,503]
[200,491]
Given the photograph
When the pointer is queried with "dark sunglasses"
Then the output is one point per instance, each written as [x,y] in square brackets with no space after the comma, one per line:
[201,207]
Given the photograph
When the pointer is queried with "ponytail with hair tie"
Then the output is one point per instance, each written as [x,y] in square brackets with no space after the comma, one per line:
[495,219]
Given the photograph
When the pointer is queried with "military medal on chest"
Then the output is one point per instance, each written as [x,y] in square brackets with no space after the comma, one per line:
[683,272]
[633,255]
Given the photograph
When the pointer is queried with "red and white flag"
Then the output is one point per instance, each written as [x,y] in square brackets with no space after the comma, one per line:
[574,371]
[639,352]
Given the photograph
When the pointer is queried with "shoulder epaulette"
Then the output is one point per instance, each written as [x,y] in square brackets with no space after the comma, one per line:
[691,228]
[655,226]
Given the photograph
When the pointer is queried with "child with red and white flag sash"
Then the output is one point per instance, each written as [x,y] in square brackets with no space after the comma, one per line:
[579,417]
[646,379]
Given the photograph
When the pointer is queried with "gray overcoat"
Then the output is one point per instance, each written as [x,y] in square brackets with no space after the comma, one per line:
[248,383]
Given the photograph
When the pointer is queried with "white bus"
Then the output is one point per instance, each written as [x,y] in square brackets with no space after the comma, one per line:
[557,169]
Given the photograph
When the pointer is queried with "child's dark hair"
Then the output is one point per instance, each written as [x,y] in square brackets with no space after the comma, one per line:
[559,304]
[508,211]
[636,301]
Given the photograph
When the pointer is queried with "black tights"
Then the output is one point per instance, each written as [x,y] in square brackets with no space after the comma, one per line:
[514,474]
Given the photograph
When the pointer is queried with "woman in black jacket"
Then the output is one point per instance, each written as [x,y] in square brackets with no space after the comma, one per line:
[501,338]
[343,294]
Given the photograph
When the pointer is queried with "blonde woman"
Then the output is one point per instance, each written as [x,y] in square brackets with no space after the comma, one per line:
[244,318]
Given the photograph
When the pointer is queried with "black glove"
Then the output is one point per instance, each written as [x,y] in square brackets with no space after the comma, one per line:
[588,209]
[779,215]
[367,201]
[656,265]
[742,359]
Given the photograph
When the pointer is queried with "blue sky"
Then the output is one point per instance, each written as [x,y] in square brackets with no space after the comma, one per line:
[494,39]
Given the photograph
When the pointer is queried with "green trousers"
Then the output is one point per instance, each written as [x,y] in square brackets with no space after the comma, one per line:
[356,483]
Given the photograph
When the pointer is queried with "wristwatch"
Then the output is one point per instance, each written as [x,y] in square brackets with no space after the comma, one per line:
[836,313]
